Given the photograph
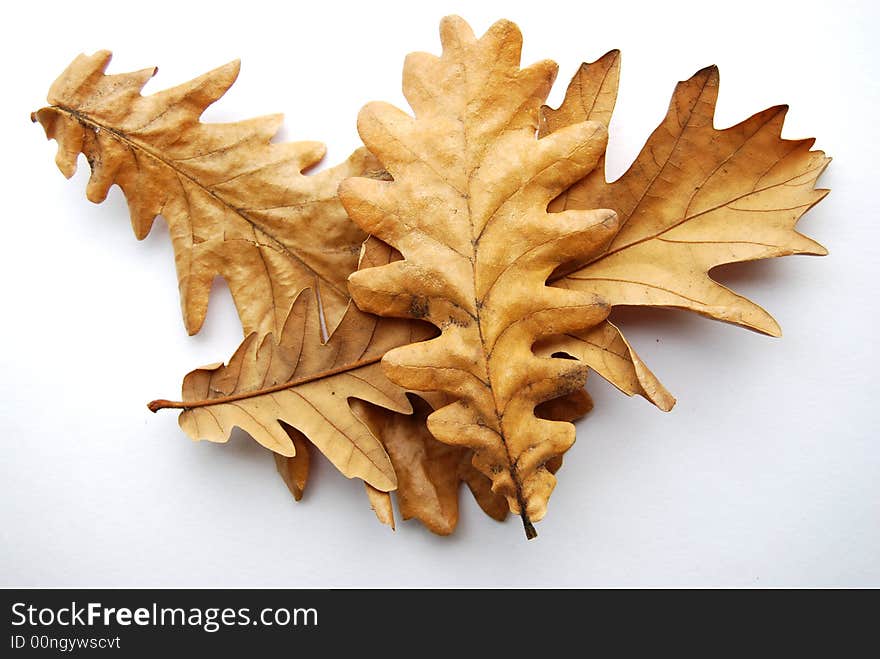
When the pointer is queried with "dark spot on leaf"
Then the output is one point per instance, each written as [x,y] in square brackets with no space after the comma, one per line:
[570,380]
[418,307]
[379,175]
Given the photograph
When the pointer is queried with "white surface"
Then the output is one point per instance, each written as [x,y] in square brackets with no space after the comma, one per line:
[766,472]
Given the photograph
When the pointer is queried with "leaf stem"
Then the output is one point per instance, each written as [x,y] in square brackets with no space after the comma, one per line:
[531,533]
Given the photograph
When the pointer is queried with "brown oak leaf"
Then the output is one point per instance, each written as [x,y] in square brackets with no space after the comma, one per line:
[467,209]
[237,205]
[297,380]
[696,197]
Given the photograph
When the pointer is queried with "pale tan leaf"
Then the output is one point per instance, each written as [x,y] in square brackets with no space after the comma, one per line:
[695,198]
[468,211]
[307,384]
[237,205]
[296,379]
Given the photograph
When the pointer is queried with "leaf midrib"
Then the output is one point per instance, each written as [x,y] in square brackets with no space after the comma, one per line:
[512,469]
[161,404]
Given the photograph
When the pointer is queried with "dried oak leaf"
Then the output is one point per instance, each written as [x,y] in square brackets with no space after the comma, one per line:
[297,381]
[467,209]
[237,205]
[696,197]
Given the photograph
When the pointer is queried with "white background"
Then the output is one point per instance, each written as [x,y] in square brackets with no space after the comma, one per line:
[765,473]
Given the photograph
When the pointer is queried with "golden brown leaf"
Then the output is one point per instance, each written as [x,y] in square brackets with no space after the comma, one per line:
[695,198]
[468,210]
[275,388]
[237,205]
[307,384]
